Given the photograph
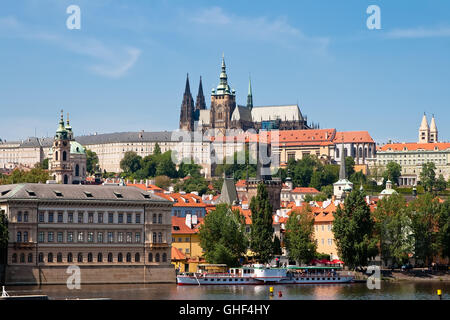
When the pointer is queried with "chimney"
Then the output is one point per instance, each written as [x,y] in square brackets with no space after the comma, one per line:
[134,181]
[146,183]
[188,221]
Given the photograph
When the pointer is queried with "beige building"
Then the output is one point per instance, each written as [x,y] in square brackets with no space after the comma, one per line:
[114,234]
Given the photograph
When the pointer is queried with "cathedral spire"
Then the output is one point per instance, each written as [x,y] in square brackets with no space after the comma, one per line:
[342,171]
[200,104]
[187,89]
[223,87]
[249,95]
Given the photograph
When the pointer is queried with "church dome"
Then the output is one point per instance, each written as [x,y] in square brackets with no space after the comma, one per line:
[76,148]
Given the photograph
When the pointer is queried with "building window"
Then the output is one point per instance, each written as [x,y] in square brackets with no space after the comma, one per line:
[90,237]
[41,217]
[50,257]
[154,237]
[19,237]
[22,258]
[60,217]
[80,257]
[120,218]
[137,237]
[128,257]
[30,258]
[19,216]
[50,217]
[129,217]
[100,237]
[110,237]
[80,217]
[137,257]
[60,237]
[110,217]
[90,259]
[150,257]
[50,237]
[80,236]
[69,257]
[41,257]
[100,257]
[157,257]
[25,236]
[160,218]
[159,237]
[120,257]
[110,257]
[154,218]
[69,236]
[25,217]
[59,257]
[90,217]
[14,258]
[70,217]
[138,218]
[120,237]
[100,217]
[129,237]
[164,257]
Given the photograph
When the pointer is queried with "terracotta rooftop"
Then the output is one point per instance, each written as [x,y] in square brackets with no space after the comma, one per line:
[415,146]
[179,226]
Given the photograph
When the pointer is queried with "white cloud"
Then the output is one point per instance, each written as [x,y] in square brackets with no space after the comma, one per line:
[110,61]
[419,32]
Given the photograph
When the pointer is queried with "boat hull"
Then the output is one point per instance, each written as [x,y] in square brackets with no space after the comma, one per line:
[192,280]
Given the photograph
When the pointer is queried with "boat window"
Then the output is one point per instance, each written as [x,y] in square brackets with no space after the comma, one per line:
[328,279]
[339,278]
[236,279]
[334,278]
[307,278]
[323,278]
[242,279]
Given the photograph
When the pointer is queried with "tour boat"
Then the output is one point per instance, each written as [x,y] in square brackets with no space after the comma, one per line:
[260,274]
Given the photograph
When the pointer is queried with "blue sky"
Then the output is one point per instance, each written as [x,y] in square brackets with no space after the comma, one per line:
[125,69]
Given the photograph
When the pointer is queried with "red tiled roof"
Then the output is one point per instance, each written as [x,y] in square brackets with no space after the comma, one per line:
[304,190]
[353,136]
[182,228]
[306,136]
[415,146]
[150,187]
[176,254]
[184,200]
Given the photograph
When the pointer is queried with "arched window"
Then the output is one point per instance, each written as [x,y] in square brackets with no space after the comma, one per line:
[137,257]
[157,257]
[41,257]
[14,258]
[110,257]
[154,218]
[120,257]
[19,237]
[77,170]
[30,257]
[90,257]
[69,257]
[360,152]
[100,257]
[160,218]
[160,237]
[154,237]
[365,152]
[164,257]
[22,258]
[56,155]
[50,257]
[128,257]
[64,157]
[59,257]
[25,236]
[150,257]
[80,257]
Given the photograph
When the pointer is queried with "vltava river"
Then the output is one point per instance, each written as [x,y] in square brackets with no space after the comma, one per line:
[359,291]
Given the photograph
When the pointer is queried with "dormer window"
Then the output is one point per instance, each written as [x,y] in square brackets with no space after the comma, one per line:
[31,193]
[146,195]
[5,192]
[118,194]
[88,194]
[58,193]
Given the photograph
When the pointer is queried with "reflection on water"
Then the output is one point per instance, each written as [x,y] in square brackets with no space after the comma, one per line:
[388,291]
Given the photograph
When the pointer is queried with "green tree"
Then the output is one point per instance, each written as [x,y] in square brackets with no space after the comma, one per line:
[349,166]
[91,161]
[276,246]
[130,162]
[353,231]
[394,229]
[237,166]
[428,176]
[299,237]
[261,232]
[165,166]
[43,165]
[157,149]
[392,172]
[35,175]
[441,184]
[222,236]
[424,212]
[190,184]
[162,182]
[444,229]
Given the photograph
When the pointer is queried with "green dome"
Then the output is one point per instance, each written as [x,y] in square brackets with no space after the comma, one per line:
[76,148]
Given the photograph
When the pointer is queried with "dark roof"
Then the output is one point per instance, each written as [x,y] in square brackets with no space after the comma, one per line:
[229,193]
[64,192]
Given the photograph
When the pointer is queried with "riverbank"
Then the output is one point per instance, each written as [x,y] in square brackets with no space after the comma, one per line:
[410,275]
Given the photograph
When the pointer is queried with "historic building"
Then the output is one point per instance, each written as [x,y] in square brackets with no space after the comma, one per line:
[67,157]
[114,234]
[411,156]
[225,113]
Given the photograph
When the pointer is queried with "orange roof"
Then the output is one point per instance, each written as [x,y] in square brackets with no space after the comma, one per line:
[305,190]
[184,200]
[353,136]
[176,254]
[305,136]
[415,146]
[179,226]
[142,186]
[241,183]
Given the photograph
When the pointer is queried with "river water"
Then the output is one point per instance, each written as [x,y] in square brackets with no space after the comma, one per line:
[419,290]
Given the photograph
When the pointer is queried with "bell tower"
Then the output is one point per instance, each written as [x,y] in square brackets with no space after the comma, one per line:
[60,166]
[223,103]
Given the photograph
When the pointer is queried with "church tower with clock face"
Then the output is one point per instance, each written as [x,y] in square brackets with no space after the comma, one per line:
[223,103]
[60,164]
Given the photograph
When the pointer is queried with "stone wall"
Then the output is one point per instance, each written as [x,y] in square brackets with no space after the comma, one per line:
[104,274]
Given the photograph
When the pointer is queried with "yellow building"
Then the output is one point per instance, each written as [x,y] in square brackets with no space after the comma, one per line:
[186,239]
